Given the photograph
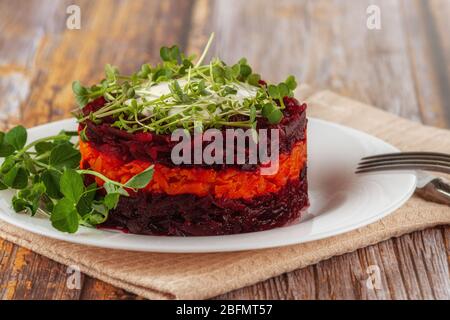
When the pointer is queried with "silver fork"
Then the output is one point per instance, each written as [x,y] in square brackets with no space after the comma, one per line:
[429,187]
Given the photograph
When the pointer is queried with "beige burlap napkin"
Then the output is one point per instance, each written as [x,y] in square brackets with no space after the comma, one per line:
[198,276]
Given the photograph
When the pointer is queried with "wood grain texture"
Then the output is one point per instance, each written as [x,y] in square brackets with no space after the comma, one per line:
[424,29]
[26,275]
[325,44]
[403,68]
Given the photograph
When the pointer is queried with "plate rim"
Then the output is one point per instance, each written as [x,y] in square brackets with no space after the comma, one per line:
[233,247]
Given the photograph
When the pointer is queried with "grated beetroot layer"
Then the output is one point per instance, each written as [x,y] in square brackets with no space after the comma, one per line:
[190,215]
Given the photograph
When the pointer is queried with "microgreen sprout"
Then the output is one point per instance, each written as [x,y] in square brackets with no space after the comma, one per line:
[208,93]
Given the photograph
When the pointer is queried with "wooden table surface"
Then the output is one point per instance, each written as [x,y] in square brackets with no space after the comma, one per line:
[404,67]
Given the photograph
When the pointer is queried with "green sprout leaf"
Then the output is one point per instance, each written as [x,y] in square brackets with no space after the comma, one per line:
[171,54]
[111,73]
[16,137]
[162,75]
[8,164]
[72,186]
[113,188]
[51,179]
[275,116]
[5,148]
[64,216]
[111,200]
[43,147]
[98,215]
[83,135]
[19,205]
[274,92]
[28,199]
[46,203]
[64,156]
[272,113]
[254,79]
[252,114]
[81,93]
[145,71]
[291,83]
[267,109]
[78,89]
[164,52]
[245,71]
[283,90]
[16,178]
[141,180]
[109,187]
[84,205]
[236,70]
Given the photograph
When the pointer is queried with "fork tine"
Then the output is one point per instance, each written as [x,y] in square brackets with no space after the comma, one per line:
[405,158]
[429,161]
[381,162]
[433,155]
[397,167]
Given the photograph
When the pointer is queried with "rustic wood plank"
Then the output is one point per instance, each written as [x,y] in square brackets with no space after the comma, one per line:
[446,235]
[438,13]
[19,46]
[6,263]
[94,289]
[429,69]
[411,267]
[26,275]
[422,257]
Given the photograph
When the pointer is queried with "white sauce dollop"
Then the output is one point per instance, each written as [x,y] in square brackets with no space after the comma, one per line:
[158,90]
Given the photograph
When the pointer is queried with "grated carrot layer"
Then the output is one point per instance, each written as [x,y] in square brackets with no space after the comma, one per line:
[229,183]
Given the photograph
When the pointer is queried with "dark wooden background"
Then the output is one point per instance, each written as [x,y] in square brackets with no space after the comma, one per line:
[403,68]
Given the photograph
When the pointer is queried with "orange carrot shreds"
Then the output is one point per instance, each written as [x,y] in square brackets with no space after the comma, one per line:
[229,183]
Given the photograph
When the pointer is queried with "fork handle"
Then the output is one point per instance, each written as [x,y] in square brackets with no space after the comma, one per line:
[437,190]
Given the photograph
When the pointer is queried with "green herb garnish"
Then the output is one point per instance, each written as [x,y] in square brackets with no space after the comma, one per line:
[47,176]
[206,93]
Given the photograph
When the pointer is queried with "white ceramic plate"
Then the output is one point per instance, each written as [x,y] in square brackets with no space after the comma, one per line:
[340,200]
